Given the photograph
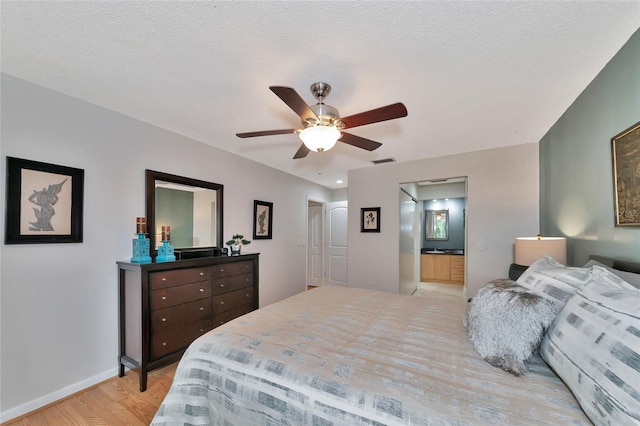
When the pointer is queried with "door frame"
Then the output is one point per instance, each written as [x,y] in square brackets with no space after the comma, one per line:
[322,237]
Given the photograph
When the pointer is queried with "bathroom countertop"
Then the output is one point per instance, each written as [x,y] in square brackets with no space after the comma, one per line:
[456,252]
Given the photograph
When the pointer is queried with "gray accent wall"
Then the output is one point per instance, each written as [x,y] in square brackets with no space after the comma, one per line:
[179,206]
[576,177]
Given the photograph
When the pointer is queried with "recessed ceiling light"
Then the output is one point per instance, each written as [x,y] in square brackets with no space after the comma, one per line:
[339,181]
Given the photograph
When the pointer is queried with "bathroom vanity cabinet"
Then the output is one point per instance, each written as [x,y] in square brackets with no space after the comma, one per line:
[442,268]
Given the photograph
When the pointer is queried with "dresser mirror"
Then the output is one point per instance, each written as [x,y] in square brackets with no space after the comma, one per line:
[437,224]
[192,209]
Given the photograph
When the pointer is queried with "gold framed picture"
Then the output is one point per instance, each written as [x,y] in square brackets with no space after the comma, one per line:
[626,176]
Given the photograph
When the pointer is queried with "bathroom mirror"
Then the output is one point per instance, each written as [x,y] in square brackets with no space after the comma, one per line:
[191,207]
[437,224]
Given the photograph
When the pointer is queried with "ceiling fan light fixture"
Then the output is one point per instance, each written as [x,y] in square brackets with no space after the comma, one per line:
[320,138]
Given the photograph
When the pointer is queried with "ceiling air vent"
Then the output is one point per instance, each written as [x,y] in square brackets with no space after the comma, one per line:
[384,160]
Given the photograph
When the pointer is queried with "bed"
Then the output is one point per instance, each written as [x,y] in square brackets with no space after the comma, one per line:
[335,355]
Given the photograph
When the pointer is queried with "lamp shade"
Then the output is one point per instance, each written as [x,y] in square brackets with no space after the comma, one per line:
[530,249]
[320,138]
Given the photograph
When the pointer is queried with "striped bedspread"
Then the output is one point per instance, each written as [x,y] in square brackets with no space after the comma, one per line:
[337,356]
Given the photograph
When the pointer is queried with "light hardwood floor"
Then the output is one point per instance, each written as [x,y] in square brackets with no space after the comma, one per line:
[114,402]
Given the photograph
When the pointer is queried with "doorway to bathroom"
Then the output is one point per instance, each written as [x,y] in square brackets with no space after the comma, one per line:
[438,236]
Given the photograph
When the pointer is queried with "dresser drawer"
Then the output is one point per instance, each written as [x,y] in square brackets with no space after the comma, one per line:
[176,295]
[234,282]
[175,338]
[233,299]
[163,279]
[233,268]
[227,316]
[181,314]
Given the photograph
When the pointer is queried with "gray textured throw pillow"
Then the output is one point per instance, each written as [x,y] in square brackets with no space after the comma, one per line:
[506,322]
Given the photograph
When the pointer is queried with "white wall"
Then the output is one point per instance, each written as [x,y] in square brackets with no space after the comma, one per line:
[502,201]
[442,190]
[59,301]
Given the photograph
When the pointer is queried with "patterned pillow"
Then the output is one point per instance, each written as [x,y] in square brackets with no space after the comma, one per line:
[629,277]
[554,281]
[594,346]
[505,323]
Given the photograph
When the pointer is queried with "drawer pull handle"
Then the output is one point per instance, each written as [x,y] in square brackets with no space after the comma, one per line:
[201,308]
[221,285]
[164,297]
[222,303]
[164,278]
[246,279]
[164,319]
[221,269]
[164,343]
[247,295]
[201,274]
[202,329]
[202,290]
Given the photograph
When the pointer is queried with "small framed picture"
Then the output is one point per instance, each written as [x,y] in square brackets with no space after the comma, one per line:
[44,203]
[262,220]
[370,219]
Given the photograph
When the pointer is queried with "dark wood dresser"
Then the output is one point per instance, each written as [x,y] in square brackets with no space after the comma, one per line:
[165,306]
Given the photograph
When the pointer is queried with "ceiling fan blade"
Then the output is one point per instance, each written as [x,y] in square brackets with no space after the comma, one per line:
[384,113]
[295,102]
[265,133]
[359,142]
[302,152]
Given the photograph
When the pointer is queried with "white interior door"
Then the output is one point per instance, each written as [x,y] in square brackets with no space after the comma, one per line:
[336,243]
[315,260]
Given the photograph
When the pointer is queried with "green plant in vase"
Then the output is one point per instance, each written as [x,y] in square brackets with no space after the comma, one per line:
[236,242]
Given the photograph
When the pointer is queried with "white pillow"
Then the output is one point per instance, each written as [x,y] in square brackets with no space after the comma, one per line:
[554,281]
[629,277]
[594,346]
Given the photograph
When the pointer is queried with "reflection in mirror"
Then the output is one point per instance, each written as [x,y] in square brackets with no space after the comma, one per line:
[189,210]
[192,208]
[437,224]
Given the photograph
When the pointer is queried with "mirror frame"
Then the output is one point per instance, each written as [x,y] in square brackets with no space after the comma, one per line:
[151,176]
[426,224]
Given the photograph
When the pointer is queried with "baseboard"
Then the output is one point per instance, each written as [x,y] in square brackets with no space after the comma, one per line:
[45,400]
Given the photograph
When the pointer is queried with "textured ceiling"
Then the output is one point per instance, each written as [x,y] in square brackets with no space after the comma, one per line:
[473,75]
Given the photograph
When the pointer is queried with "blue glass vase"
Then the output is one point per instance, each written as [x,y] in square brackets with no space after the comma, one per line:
[165,253]
[140,247]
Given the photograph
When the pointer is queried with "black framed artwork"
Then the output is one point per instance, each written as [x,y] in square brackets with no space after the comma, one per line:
[44,203]
[370,219]
[262,220]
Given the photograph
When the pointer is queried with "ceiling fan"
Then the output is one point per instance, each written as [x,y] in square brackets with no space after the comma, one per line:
[322,125]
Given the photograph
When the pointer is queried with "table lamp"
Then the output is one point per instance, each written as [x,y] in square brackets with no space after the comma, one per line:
[530,249]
